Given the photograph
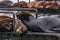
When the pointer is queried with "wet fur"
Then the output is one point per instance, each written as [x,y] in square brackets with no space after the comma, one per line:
[4,21]
[46,24]
[18,28]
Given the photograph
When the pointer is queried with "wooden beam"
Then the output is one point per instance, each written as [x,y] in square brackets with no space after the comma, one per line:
[18,9]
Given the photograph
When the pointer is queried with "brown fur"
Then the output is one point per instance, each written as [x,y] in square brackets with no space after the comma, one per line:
[31,4]
[5,23]
[20,27]
[40,4]
[52,5]
[23,13]
[21,4]
[5,19]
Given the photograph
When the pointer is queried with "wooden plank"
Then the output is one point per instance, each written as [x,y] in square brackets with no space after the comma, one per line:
[33,33]
[18,9]
[28,36]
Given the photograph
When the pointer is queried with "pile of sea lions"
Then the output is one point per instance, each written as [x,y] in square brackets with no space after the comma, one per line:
[22,4]
[39,4]
[26,22]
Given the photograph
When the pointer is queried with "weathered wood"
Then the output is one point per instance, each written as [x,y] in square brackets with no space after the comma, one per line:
[33,33]
[18,9]
[27,36]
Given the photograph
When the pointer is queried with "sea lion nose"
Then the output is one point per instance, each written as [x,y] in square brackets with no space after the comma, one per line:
[18,30]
